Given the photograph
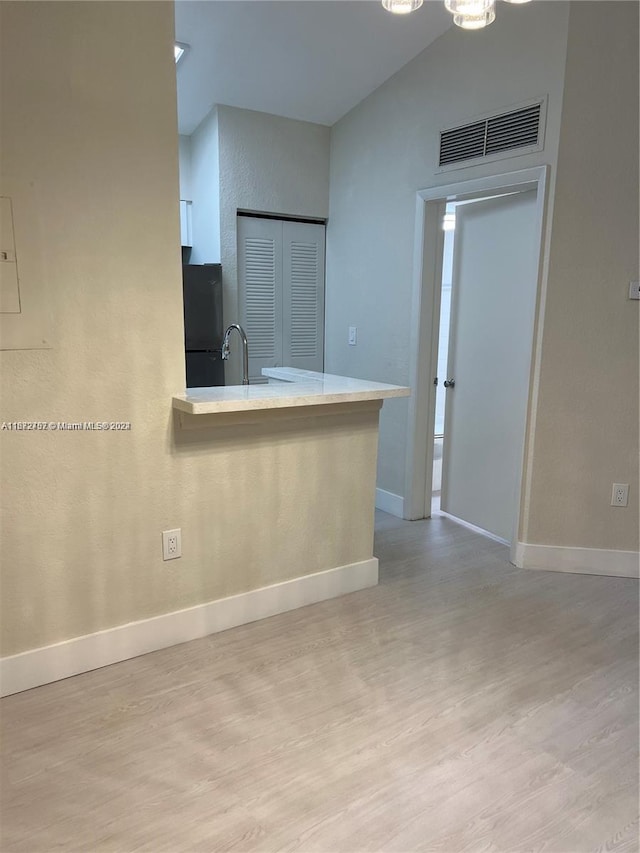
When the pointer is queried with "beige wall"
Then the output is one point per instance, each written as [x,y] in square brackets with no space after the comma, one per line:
[95,129]
[88,112]
[586,432]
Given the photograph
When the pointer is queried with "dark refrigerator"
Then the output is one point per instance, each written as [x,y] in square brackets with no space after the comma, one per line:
[202,290]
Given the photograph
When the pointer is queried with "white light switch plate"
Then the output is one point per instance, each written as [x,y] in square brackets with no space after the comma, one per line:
[634,290]
[353,336]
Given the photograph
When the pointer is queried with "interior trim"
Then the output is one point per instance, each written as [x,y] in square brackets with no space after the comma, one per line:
[389,502]
[92,651]
[587,561]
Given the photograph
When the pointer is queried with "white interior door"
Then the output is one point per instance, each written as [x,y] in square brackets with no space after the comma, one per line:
[303,295]
[491,336]
[260,284]
[281,284]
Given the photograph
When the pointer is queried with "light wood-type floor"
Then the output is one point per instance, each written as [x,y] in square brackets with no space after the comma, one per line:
[461,705]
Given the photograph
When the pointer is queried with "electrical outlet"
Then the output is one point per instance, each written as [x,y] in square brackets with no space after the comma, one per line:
[171,544]
[620,494]
[634,290]
[353,336]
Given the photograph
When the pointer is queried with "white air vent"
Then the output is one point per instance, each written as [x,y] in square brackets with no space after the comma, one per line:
[517,129]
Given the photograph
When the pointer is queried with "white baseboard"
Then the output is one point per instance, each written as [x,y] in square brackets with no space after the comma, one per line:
[388,502]
[474,527]
[588,561]
[71,657]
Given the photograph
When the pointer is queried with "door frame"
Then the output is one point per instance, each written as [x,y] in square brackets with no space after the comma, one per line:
[425,321]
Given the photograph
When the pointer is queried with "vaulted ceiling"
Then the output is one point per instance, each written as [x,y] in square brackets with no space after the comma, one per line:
[312,60]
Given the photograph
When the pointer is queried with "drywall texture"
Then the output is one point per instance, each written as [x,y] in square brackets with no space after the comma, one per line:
[385,150]
[267,165]
[95,128]
[205,192]
[586,433]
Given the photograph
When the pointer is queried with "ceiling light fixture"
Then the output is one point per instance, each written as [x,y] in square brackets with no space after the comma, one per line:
[476,20]
[468,7]
[467,14]
[401,7]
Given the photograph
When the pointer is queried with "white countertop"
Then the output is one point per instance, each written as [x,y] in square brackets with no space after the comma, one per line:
[294,388]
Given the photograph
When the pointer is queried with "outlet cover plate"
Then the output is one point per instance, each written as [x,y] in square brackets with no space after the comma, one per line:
[634,290]
[620,494]
[172,544]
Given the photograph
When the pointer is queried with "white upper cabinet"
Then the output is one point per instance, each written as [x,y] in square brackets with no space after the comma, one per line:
[186,238]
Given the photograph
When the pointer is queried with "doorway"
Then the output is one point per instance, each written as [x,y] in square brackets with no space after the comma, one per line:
[448,227]
[481,281]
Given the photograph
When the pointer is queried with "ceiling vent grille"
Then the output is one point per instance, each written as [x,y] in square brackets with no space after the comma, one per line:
[505,132]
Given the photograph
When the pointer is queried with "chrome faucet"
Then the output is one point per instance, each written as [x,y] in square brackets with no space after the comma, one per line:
[245,350]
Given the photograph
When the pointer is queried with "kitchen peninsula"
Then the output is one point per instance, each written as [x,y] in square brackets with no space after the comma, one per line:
[297,462]
[287,388]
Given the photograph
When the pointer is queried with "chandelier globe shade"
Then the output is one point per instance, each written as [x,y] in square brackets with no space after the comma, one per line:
[467,14]
[401,7]
[477,21]
[468,7]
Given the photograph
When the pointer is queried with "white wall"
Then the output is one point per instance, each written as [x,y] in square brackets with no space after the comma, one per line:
[584,434]
[246,160]
[267,165]
[205,192]
[386,149]
[184,159]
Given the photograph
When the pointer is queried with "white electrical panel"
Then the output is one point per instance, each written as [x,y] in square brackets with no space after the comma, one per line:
[25,321]
[9,285]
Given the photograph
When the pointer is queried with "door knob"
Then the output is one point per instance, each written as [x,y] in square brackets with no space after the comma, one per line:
[449,383]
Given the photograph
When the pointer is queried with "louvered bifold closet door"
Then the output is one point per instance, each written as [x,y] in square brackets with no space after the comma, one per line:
[259,278]
[303,295]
